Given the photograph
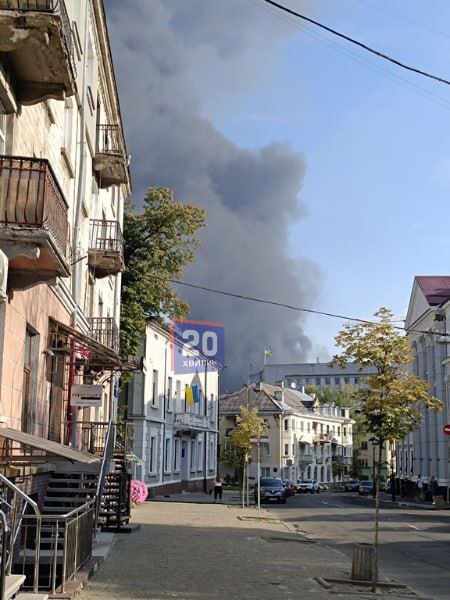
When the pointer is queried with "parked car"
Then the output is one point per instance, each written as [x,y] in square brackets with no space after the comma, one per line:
[290,486]
[351,486]
[271,489]
[308,486]
[365,488]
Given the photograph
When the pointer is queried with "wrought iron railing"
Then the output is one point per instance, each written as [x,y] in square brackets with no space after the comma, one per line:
[108,454]
[110,140]
[105,236]
[89,436]
[30,197]
[124,439]
[57,7]
[105,331]
[4,552]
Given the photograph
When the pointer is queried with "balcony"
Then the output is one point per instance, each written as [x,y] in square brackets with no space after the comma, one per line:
[105,331]
[190,422]
[36,40]
[110,162]
[306,459]
[105,248]
[321,438]
[33,222]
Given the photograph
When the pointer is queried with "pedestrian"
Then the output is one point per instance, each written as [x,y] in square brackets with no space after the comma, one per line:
[420,489]
[433,488]
[218,487]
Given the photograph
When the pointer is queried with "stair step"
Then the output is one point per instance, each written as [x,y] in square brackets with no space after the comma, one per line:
[64,499]
[13,583]
[48,510]
[70,490]
[78,481]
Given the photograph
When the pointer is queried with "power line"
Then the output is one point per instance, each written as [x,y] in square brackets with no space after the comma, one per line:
[362,45]
[296,308]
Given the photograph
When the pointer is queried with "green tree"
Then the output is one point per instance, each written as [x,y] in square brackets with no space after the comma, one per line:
[390,404]
[159,242]
[337,470]
[249,426]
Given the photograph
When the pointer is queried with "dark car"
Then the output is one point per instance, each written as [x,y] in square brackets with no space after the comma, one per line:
[365,488]
[271,489]
[351,486]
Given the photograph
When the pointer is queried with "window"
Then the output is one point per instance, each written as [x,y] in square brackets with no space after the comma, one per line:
[66,142]
[2,128]
[346,380]
[169,403]
[345,431]
[155,388]
[167,457]
[286,424]
[339,430]
[327,381]
[177,401]
[199,455]
[265,471]
[337,381]
[317,380]
[212,461]
[153,454]
[301,426]
[309,426]
[286,449]
[364,446]
[176,455]
[192,455]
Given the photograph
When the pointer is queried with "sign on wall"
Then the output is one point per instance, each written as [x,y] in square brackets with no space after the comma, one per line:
[86,395]
[197,346]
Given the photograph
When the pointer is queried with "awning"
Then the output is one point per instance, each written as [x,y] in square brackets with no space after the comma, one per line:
[99,355]
[50,448]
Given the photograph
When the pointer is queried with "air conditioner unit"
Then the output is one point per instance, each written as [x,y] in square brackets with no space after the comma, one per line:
[3,272]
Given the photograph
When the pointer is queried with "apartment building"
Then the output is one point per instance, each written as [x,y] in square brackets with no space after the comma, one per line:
[304,437]
[425,452]
[319,375]
[175,440]
[64,176]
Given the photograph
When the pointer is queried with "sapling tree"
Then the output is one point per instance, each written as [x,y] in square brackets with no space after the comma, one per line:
[392,402]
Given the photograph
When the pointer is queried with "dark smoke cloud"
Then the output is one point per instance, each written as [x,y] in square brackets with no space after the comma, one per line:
[162,50]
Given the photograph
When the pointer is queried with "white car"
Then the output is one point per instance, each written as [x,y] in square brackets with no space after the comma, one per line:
[308,486]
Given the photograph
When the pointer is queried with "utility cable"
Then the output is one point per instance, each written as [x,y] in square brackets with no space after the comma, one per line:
[362,45]
[298,308]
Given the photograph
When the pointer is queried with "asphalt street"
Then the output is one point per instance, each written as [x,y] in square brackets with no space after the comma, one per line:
[414,544]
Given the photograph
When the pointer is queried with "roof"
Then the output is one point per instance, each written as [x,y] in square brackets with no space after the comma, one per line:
[435,288]
[265,398]
[52,448]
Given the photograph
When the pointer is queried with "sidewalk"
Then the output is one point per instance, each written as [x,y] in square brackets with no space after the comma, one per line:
[204,551]
[229,497]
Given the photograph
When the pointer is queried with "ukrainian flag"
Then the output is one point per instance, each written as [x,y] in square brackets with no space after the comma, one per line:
[189,396]
[196,394]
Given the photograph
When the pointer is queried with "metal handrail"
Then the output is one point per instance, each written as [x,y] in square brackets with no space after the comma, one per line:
[107,455]
[4,551]
[16,527]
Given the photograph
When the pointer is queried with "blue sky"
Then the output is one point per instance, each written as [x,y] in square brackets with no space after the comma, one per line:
[376,145]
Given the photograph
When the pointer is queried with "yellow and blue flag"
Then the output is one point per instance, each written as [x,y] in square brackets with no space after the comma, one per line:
[196,394]
[189,396]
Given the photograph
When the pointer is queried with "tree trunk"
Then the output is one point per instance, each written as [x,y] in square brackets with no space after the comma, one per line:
[377,516]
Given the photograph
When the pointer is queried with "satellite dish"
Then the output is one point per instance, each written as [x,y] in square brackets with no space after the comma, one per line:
[293,385]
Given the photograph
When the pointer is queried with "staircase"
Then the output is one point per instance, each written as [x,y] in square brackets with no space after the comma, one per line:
[115,507]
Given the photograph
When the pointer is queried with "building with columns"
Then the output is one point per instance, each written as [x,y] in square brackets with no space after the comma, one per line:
[304,437]
[426,451]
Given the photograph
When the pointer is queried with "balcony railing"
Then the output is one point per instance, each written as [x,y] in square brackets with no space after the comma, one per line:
[110,161]
[56,73]
[190,421]
[105,331]
[33,211]
[105,247]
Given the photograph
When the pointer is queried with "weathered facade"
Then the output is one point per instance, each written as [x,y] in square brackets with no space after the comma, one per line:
[64,177]
[175,442]
[304,437]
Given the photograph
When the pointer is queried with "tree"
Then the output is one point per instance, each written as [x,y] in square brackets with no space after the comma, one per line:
[337,470]
[158,244]
[249,426]
[391,403]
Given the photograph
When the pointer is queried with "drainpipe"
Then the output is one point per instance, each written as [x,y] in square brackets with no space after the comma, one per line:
[76,276]
[205,435]
[163,449]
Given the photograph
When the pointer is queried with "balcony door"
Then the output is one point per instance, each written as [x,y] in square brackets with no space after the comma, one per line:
[29,384]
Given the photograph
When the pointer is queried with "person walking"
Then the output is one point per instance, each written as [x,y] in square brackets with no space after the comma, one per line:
[433,488]
[218,485]
[420,489]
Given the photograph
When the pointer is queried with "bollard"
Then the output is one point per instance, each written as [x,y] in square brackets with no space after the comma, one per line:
[363,556]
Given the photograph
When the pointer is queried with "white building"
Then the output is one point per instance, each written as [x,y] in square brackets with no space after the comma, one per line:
[305,438]
[175,442]
[426,451]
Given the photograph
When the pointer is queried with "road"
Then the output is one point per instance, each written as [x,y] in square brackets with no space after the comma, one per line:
[414,544]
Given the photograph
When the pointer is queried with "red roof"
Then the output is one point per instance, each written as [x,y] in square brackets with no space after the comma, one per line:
[436,288]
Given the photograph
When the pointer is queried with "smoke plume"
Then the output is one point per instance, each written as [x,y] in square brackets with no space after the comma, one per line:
[171,57]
